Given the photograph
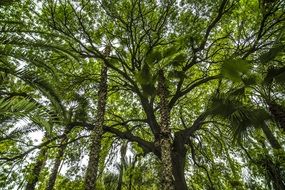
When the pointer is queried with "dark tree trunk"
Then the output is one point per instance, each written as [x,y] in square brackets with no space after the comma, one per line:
[97,132]
[40,162]
[178,162]
[274,173]
[279,113]
[57,162]
[165,136]
[270,137]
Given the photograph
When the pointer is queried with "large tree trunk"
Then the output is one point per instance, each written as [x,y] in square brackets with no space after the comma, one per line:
[96,134]
[40,162]
[167,182]
[278,112]
[57,162]
[178,162]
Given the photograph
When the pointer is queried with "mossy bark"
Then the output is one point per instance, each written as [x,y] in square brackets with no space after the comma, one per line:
[165,142]
[97,132]
[57,162]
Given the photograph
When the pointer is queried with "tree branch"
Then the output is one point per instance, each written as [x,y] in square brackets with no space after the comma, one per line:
[145,145]
[179,94]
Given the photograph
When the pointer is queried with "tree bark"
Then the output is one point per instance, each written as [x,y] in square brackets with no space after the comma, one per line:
[57,162]
[278,112]
[97,132]
[40,162]
[274,173]
[270,137]
[165,143]
[122,165]
[178,162]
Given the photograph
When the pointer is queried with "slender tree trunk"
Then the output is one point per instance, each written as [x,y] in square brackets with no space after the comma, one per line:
[274,173]
[279,113]
[96,134]
[270,137]
[40,162]
[120,181]
[57,162]
[165,136]
[122,165]
[131,173]
[273,170]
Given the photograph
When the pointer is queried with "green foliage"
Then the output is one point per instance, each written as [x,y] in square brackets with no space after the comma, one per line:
[81,109]
[272,53]
[50,58]
[234,69]
[241,117]
[178,59]
[7,2]
[276,74]
[69,184]
[146,80]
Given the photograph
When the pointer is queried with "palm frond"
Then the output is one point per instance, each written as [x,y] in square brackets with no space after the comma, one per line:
[241,117]
[17,109]
[275,73]
[26,56]
[39,83]
[15,106]
[26,43]
[12,132]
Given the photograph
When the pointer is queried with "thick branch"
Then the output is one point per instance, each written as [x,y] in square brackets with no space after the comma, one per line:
[145,145]
[179,94]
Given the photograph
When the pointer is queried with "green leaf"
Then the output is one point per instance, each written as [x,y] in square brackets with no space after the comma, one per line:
[144,76]
[7,2]
[238,92]
[178,59]
[277,74]
[280,78]
[249,80]
[176,74]
[170,51]
[154,57]
[233,69]
[271,54]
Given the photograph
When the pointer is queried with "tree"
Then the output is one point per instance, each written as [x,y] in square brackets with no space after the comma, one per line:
[168,59]
[96,136]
